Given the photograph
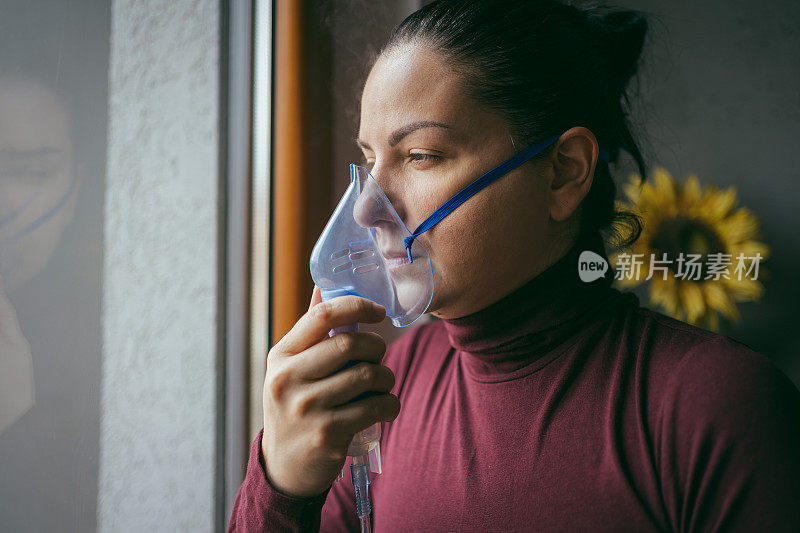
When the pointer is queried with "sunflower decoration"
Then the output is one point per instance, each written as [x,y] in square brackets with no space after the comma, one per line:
[699,252]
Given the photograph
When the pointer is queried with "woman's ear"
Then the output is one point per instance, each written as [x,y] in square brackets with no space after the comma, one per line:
[573,158]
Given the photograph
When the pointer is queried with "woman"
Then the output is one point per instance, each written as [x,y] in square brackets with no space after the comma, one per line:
[538,402]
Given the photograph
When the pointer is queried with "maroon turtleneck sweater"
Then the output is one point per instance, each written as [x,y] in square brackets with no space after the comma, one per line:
[565,406]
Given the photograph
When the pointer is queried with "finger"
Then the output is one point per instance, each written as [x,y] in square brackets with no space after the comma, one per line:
[343,386]
[331,354]
[9,324]
[316,297]
[323,317]
[358,416]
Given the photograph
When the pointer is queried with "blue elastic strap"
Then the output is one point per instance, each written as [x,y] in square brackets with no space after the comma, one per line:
[479,183]
[45,217]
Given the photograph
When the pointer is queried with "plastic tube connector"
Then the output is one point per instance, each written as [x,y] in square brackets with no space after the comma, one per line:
[359,473]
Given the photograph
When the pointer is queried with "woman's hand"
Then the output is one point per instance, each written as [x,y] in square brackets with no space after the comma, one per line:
[16,366]
[309,420]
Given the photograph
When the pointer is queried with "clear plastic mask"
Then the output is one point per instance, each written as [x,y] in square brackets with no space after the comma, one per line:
[362,251]
[14,205]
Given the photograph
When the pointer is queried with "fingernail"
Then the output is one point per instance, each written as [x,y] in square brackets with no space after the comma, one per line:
[378,307]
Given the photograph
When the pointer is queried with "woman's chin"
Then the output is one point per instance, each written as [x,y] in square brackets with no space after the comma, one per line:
[410,295]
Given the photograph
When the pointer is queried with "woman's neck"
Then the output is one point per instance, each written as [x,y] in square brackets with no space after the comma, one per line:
[480,297]
[534,319]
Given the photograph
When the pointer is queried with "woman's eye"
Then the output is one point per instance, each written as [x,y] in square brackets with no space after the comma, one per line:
[22,173]
[425,158]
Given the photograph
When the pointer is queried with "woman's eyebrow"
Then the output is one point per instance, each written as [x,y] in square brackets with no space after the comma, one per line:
[399,133]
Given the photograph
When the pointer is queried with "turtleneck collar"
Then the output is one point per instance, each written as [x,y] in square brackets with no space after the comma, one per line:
[525,329]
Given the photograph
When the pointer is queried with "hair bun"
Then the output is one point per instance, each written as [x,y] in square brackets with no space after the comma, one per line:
[621,34]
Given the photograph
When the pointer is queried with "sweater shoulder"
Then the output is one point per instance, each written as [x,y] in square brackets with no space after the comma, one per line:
[677,342]
[711,370]
[725,427]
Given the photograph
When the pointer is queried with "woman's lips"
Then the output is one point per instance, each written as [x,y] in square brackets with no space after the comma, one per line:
[393,262]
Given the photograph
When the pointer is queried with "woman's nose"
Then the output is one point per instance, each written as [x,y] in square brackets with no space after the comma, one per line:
[372,207]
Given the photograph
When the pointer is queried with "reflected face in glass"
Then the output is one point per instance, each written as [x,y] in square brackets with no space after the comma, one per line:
[423,139]
[37,178]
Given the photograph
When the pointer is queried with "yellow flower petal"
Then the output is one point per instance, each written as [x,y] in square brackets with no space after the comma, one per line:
[718,204]
[633,188]
[692,299]
[744,290]
[692,194]
[739,226]
[718,299]
[663,293]
[711,321]
[749,249]
[665,192]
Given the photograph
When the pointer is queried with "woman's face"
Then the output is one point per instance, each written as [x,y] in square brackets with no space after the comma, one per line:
[36,174]
[423,140]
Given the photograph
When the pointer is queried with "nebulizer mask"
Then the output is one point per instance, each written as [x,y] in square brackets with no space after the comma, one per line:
[367,250]
[13,206]
[32,204]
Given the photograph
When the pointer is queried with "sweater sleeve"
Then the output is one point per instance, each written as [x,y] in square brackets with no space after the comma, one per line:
[261,507]
[728,442]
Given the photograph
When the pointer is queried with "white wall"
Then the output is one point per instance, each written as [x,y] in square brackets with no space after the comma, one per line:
[157,414]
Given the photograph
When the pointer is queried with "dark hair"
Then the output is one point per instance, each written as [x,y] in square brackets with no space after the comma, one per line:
[547,66]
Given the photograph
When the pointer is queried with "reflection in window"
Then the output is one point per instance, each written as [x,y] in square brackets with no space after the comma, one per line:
[53,72]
